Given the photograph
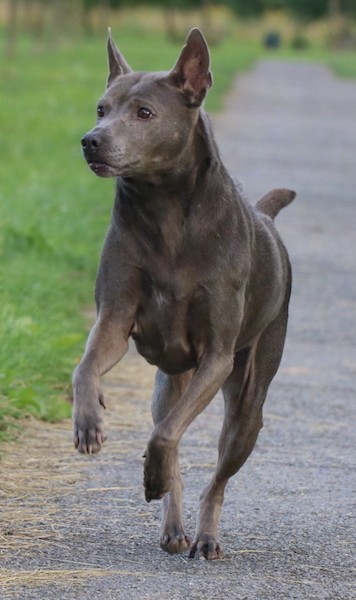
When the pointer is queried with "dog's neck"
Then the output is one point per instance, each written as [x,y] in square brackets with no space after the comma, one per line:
[179,184]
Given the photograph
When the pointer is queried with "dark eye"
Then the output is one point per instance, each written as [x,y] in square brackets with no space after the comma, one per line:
[144,113]
[100,112]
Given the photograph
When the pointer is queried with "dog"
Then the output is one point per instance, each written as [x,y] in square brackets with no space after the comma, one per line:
[197,276]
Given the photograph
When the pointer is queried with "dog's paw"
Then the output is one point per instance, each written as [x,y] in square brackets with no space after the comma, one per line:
[158,470]
[88,435]
[88,440]
[175,542]
[206,546]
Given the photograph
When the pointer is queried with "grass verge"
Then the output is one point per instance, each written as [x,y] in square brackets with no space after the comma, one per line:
[54,212]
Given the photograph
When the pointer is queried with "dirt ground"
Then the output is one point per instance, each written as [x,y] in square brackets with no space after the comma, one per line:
[74,527]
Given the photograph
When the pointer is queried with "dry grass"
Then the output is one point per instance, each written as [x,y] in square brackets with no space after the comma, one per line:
[43,577]
[40,469]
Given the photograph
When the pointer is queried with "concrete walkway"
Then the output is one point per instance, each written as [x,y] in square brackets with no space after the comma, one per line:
[75,527]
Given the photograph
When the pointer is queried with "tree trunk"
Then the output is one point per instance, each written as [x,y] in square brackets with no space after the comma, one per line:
[11,33]
[334,9]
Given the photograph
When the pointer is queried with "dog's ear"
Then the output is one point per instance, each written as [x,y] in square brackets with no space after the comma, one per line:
[192,70]
[117,64]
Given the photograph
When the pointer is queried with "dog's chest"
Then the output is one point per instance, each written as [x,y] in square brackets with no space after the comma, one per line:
[164,329]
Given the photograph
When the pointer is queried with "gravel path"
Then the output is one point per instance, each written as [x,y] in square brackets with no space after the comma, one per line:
[75,527]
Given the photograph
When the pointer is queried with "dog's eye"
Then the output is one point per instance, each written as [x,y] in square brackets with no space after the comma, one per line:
[100,112]
[144,113]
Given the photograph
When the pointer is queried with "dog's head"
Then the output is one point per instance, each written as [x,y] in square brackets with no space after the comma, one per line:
[145,120]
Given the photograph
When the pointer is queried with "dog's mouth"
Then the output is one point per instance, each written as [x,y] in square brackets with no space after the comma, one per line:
[102,169]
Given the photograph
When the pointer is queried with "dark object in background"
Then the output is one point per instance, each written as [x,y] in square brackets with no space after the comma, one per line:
[272,39]
[299,42]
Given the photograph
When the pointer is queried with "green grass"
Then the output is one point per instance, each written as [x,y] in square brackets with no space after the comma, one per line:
[54,212]
[343,63]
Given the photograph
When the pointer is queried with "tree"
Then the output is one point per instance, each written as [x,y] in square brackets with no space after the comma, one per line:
[246,8]
[308,9]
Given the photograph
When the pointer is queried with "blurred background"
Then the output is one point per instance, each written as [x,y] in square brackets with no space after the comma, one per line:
[53,211]
[297,23]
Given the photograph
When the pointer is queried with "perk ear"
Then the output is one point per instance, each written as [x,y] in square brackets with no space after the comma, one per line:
[191,73]
[117,64]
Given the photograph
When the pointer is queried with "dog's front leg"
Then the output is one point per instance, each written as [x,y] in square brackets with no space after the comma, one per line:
[107,343]
[162,449]
[168,390]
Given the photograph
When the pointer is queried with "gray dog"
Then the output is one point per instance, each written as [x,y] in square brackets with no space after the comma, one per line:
[194,274]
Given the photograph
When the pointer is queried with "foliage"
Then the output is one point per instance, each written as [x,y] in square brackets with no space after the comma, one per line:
[308,9]
[247,8]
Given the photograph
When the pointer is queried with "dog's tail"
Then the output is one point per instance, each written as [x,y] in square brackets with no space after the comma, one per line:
[271,203]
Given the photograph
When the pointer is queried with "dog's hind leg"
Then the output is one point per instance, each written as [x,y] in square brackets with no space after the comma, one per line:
[167,391]
[244,394]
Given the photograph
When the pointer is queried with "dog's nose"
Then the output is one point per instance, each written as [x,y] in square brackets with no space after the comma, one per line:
[90,142]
